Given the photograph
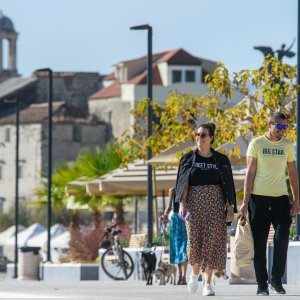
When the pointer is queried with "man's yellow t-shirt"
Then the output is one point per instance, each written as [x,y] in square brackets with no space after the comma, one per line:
[272,158]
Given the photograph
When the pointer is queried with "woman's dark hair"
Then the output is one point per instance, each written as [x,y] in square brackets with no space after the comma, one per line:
[211,127]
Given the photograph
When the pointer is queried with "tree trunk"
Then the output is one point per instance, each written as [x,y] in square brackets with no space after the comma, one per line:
[120,213]
[97,219]
[74,218]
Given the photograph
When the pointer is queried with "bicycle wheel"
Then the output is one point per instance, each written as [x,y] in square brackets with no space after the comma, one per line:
[116,267]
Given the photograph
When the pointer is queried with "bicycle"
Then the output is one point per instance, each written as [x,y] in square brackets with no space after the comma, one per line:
[115,262]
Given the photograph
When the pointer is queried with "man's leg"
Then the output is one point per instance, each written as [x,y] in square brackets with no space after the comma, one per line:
[260,222]
[281,220]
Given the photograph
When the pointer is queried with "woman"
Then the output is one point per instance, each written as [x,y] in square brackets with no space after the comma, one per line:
[206,193]
[178,238]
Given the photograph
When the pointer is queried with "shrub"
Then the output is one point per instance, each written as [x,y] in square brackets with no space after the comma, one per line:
[84,244]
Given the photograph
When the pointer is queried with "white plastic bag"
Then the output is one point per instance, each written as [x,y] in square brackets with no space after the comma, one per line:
[243,248]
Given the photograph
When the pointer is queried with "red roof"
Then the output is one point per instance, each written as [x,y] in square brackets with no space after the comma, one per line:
[38,113]
[113,90]
[110,76]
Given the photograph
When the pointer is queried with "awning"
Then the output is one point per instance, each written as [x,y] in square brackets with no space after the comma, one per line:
[76,187]
[133,181]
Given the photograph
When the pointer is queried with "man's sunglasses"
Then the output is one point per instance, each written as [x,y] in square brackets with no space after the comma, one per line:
[280,126]
[202,135]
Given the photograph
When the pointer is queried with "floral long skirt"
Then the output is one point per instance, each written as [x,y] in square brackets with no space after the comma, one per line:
[206,227]
[178,240]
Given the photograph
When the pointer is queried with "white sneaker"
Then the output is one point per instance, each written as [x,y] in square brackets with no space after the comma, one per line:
[193,283]
[208,290]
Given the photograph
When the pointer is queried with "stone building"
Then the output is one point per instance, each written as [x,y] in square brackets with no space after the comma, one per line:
[71,133]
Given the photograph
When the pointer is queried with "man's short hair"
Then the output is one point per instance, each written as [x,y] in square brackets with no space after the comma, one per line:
[277,115]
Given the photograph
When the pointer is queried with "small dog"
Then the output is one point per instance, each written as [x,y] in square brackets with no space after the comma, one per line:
[148,263]
[216,273]
[159,276]
[170,272]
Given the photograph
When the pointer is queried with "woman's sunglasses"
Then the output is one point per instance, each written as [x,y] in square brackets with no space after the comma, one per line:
[202,135]
[280,126]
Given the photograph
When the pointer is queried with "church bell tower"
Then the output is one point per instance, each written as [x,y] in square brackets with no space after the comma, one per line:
[7,32]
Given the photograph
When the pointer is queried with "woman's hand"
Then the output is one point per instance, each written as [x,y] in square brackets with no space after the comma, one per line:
[164,219]
[181,210]
[230,214]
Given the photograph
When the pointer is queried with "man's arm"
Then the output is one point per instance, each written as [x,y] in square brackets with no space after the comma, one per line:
[249,181]
[294,183]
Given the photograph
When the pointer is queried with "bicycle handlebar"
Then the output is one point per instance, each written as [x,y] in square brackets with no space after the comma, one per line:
[109,229]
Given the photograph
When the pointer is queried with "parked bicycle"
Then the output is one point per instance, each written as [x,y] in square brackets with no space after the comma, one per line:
[115,262]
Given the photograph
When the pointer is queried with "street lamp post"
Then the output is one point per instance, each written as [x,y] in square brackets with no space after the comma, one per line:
[17,186]
[298,112]
[149,128]
[16,101]
[48,72]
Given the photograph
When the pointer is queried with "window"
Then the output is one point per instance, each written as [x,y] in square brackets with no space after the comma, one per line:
[204,73]
[2,200]
[7,135]
[2,163]
[77,134]
[176,76]
[190,76]
[21,169]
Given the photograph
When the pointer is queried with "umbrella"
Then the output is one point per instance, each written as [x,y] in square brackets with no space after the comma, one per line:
[133,180]
[170,155]
[8,233]
[41,239]
[23,237]
[61,241]
[26,234]
[76,187]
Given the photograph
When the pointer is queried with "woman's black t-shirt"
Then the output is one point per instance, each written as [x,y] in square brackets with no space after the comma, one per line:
[204,171]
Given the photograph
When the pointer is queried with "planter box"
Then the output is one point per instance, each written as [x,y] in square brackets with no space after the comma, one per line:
[66,272]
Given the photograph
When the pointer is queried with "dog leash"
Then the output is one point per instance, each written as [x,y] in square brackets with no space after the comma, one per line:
[161,238]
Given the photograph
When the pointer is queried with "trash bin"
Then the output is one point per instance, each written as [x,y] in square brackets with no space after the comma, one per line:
[29,260]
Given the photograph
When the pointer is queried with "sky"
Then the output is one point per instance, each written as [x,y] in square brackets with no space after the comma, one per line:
[93,35]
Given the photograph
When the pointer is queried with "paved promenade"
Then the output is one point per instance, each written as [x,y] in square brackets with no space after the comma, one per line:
[131,290]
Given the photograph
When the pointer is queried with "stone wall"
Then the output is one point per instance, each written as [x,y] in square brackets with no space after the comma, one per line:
[115,112]
[64,148]
[30,162]
[72,88]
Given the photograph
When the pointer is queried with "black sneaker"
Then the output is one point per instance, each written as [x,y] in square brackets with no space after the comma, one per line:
[262,290]
[277,288]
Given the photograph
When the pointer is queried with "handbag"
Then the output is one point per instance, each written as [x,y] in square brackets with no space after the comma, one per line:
[243,248]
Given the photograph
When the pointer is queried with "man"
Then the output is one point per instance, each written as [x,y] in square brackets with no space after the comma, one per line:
[266,196]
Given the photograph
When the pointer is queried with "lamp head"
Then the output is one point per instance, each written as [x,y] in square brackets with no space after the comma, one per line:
[141,27]
[43,72]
